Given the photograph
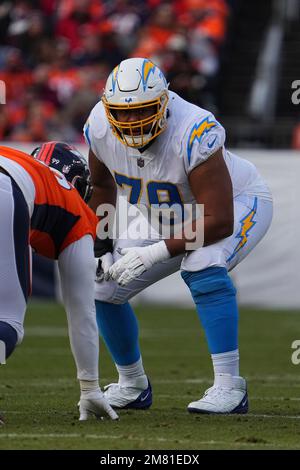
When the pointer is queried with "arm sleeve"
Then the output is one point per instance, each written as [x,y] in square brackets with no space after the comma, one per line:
[95,128]
[77,271]
[202,139]
[88,135]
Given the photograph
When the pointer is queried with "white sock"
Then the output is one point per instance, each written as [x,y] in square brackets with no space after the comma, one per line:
[226,363]
[133,375]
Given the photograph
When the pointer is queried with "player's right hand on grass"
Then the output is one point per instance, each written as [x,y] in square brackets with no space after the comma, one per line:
[94,403]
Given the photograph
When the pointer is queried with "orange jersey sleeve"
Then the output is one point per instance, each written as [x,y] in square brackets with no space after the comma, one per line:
[60,216]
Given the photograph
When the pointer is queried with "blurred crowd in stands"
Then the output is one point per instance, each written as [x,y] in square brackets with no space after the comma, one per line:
[55,56]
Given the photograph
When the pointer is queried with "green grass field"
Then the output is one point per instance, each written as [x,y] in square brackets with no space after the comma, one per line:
[39,392]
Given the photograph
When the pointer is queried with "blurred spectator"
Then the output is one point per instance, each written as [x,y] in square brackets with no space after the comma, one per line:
[15,74]
[208,21]
[206,18]
[34,127]
[95,48]
[4,123]
[4,20]
[124,20]
[79,107]
[64,78]
[181,73]
[55,56]
[41,86]
[154,36]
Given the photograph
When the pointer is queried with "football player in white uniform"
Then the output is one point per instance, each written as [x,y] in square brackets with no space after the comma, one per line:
[149,144]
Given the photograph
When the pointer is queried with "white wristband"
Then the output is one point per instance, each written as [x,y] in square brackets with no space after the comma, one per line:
[156,252]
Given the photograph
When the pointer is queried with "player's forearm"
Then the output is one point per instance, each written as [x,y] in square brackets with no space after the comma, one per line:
[213,231]
[104,194]
[84,341]
[104,186]
[76,267]
[83,332]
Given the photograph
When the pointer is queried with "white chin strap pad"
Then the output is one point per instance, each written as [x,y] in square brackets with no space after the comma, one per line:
[137,140]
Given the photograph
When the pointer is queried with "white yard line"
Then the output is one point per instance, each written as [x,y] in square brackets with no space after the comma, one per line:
[262,398]
[55,331]
[257,415]
[129,438]
[269,381]
[248,415]
[264,381]
[46,331]
[168,396]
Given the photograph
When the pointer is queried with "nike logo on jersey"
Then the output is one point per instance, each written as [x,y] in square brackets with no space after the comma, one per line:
[211,144]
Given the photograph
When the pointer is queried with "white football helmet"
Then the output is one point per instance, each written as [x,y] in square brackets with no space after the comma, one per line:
[136,84]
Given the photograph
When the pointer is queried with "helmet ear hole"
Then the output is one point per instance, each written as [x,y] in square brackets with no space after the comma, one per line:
[35,151]
[84,188]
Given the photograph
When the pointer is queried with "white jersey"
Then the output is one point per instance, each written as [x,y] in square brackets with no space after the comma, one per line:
[160,173]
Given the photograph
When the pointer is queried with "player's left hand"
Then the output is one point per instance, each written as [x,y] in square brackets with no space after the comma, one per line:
[136,261]
[94,403]
[102,267]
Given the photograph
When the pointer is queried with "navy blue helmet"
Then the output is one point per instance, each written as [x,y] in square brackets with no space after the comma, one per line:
[71,163]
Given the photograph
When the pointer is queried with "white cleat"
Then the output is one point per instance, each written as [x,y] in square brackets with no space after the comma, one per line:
[135,396]
[228,395]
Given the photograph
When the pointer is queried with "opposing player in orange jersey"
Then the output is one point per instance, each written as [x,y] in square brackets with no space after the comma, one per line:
[42,206]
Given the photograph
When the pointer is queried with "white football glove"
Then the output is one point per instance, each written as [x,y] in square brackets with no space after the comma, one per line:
[102,267]
[137,260]
[94,403]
